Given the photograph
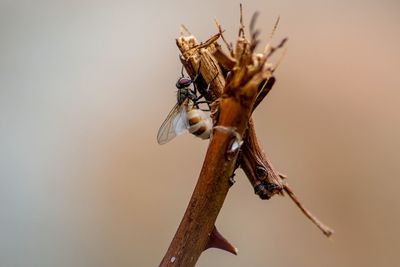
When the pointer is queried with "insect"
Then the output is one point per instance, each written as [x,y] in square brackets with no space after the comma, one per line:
[186,115]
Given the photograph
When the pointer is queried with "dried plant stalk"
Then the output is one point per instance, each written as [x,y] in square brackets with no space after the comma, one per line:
[237,83]
[231,114]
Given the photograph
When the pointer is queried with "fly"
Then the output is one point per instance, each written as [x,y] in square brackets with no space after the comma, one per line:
[186,115]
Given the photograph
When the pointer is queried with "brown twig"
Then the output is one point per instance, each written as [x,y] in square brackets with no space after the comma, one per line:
[232,113]
[238,83]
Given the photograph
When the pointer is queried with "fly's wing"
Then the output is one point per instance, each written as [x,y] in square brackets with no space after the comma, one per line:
[175,124]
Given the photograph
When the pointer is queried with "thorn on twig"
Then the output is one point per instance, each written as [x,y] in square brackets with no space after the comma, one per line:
[218,241]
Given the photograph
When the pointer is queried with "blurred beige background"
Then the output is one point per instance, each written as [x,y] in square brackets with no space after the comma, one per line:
[84,86]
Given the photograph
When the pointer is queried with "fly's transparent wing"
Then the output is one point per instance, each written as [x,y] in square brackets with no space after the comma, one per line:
[175,124]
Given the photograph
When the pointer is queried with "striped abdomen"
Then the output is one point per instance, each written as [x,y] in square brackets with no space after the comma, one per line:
[199,123]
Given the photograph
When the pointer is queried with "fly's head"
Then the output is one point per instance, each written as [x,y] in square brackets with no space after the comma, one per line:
[183,82]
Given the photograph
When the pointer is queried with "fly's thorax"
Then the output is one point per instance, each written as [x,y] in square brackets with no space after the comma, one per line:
[182,95]
[200,124]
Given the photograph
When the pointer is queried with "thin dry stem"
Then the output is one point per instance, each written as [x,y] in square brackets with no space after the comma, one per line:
[273,48]
[325,229]
[184,30]
[241,33]
[271,35]
[228,46]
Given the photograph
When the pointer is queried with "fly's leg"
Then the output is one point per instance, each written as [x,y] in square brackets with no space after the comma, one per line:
[193,92]
[196,104]
[182,72]
[196,101]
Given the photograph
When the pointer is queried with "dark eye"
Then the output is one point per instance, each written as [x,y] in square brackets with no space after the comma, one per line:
[183,82]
